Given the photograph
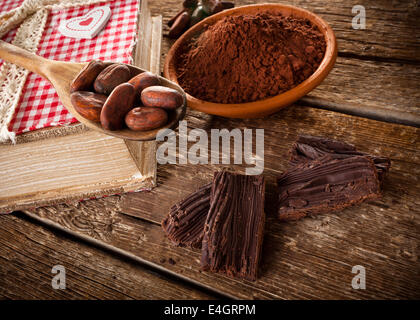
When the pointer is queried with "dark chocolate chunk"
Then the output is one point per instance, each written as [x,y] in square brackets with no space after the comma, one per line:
[326,184]
[310,148]
[184,224]
[234,227]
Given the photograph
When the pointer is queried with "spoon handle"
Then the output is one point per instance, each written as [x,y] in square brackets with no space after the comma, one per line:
[24,58]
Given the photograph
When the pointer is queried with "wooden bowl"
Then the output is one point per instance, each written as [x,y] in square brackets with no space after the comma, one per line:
[270,105]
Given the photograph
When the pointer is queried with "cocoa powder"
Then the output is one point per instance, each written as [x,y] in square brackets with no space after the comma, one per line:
[246,58]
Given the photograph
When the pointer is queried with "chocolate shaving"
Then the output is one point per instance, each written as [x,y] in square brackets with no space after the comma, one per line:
[326,184]
[310,148]
[185,223]
[234,226]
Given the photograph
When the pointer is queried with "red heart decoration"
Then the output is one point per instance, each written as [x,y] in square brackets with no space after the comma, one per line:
[87,26]
[86,22]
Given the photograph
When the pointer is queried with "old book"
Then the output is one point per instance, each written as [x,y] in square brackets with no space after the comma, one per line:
[326,184]
[234,227]
[310,148]
[184,224]
[68,163]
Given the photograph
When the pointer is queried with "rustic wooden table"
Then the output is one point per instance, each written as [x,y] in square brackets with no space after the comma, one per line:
[115,248]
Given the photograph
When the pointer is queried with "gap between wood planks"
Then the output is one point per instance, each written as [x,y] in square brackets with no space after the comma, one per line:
[378,58]
[364,111]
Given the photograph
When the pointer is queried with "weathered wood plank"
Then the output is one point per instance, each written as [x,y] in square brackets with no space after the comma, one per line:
[392,27]
[311,258]
[379,90]
[28,252]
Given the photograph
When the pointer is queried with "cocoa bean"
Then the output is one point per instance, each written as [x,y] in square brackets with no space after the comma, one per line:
[180,25]
[110,77]
[118,104]
[190,4]
[172,20]
[145,118]
[161,97]
[209,5]
[88,104]
[144,80]
[199,14]
[84,80]
[223,5]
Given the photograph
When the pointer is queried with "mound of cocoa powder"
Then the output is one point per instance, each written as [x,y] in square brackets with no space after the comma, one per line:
[246,58]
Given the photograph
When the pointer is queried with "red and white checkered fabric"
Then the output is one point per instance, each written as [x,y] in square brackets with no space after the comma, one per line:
[39,106]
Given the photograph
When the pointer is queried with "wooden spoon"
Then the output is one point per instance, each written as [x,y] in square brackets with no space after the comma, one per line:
[61,74]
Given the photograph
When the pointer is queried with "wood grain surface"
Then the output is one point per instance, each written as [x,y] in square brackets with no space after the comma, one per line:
[379,90]
[376,75]
[26,263]
[311,258]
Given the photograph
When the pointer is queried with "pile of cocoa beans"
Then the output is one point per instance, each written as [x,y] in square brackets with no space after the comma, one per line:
[194,11]
[112,95]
